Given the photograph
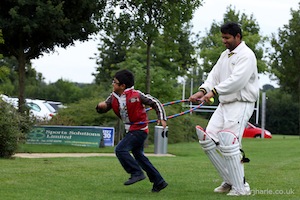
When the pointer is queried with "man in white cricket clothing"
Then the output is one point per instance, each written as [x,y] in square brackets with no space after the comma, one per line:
[234,79]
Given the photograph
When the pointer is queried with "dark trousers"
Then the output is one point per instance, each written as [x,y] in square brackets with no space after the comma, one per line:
[134,142]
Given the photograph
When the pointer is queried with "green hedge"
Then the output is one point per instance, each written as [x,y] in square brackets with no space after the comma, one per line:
[13,129]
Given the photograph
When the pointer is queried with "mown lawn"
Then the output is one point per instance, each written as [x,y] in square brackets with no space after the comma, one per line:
[273,173]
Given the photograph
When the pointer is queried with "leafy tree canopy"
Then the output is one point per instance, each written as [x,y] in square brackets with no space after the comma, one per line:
[38,26]
[145,21]
[285,61]
[33,27]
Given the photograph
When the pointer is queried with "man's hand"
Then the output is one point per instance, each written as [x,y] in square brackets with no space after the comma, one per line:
[195,97]
[207,97]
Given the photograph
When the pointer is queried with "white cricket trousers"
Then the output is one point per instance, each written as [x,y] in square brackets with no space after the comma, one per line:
[231,117]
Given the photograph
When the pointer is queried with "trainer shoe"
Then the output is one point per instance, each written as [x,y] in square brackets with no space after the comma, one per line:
[223,188]
[159,187]
[134,179]
[247,189]
[245,192]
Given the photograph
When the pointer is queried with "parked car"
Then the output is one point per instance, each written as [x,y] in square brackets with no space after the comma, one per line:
[3,97]
[40,109]
[252,131]
[56,105]
[11,100]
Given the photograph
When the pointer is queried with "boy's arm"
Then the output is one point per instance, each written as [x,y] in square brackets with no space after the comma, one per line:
[157,106]
[104,106]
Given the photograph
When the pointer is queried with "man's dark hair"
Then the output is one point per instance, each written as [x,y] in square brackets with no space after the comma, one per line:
[125,77]
[231,28]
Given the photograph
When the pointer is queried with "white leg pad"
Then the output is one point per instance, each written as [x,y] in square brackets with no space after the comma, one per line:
[230,148]
[213,153]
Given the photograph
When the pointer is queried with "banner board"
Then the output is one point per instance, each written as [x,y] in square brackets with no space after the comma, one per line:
[108,136]
[88,136]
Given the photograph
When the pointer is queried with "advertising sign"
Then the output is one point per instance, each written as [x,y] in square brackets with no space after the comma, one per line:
[108,136]
[89,136]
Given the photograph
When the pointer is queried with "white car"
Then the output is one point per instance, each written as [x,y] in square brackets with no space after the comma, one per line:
[11,100]
[56,105]
[40,109]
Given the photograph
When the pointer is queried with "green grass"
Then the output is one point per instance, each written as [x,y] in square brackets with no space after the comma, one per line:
[274,167]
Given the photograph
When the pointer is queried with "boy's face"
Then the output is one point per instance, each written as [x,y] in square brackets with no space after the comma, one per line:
[117,87]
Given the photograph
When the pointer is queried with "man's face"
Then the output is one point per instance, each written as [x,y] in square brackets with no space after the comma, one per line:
[231,42]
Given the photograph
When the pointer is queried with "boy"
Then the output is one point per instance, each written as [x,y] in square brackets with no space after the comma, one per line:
[128,105]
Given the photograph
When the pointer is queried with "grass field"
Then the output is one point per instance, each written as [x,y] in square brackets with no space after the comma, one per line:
[273,173]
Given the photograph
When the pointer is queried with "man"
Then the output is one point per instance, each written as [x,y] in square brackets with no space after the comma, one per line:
[234,79]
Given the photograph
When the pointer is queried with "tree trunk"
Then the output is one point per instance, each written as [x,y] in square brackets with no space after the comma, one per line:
[21,72]
[148,76]
[299,108]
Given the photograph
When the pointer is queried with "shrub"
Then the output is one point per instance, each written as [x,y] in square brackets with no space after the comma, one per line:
[282,113]
[83,113]
[13,129]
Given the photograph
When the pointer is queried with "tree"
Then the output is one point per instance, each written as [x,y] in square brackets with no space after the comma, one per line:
[176,51]
[211,45]
[63,91]
[11,64]
[169,60]
[115,41]
[31,28]
[285,60]
[136,62]
[6,86]
[282,113]
[149,19]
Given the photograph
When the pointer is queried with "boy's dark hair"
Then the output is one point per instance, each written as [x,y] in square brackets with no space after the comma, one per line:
[231,28]
[125,77]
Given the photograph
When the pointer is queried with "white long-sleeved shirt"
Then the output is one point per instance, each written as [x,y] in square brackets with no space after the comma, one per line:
[235,77]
